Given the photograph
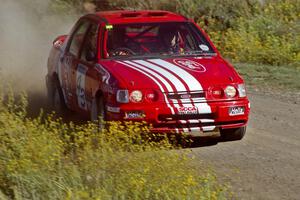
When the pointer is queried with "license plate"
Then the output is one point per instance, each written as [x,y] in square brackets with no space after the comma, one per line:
[236,111]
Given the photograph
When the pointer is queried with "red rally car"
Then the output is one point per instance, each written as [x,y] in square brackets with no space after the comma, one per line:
[153,66]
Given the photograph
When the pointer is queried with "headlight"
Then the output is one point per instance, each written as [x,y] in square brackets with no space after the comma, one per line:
[136,96]
[122,96]
[242,90]
[230,91]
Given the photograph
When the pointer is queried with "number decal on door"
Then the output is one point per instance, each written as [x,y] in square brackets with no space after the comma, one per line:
[80,86]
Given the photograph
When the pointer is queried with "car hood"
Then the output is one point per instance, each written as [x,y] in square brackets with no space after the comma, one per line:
[173,74]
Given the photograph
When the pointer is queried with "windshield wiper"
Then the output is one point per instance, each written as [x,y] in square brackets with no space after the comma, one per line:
[136,56]
[191,53]
[200,53]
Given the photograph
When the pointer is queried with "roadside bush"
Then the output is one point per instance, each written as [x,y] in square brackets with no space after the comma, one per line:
[269,37]
[43,158]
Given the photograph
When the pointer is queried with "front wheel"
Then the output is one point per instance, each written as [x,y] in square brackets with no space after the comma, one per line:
[233,134]
[98,113]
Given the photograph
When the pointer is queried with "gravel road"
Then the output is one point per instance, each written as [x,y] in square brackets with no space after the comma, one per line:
[266,163]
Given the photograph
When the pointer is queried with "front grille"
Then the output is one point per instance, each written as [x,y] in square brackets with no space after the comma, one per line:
[186,95]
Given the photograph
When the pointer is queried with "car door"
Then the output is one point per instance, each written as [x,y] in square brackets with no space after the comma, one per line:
[70,59]
[84,73]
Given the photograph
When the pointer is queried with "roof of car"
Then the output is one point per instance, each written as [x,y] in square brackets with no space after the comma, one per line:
[130,16]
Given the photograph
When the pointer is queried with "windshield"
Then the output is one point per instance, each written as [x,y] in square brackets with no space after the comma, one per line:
[156,39]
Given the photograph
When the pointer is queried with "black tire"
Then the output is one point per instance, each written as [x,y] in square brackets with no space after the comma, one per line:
[233,134]
[56,98]
[98,113]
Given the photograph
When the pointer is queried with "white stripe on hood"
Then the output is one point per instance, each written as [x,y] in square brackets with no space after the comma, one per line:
[192,83]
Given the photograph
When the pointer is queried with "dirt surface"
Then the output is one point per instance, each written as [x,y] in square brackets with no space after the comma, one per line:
[266,163]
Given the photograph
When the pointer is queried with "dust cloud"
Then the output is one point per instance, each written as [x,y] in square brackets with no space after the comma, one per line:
[26,34]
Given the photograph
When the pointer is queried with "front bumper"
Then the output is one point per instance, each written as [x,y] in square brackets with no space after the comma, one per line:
[164,122]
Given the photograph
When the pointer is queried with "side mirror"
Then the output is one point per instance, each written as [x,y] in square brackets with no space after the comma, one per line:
[59,41]
[90,56]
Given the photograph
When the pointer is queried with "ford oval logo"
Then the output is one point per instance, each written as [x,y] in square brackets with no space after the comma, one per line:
[189,64]
[185,96]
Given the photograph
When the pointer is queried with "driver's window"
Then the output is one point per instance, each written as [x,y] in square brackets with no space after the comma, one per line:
[77,38]
[89,51]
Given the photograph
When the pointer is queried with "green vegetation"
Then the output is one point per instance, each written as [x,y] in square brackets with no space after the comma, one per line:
[270,36]
[43,158]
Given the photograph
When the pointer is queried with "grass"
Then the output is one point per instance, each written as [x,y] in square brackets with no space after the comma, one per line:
[270,77]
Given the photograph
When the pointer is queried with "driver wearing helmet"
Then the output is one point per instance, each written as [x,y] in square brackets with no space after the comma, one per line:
[170,37]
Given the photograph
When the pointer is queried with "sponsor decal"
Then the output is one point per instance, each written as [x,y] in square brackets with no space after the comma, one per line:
[204,47]
[185,96]
[80,86]
[187,110]
[134,115]
[189,64]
